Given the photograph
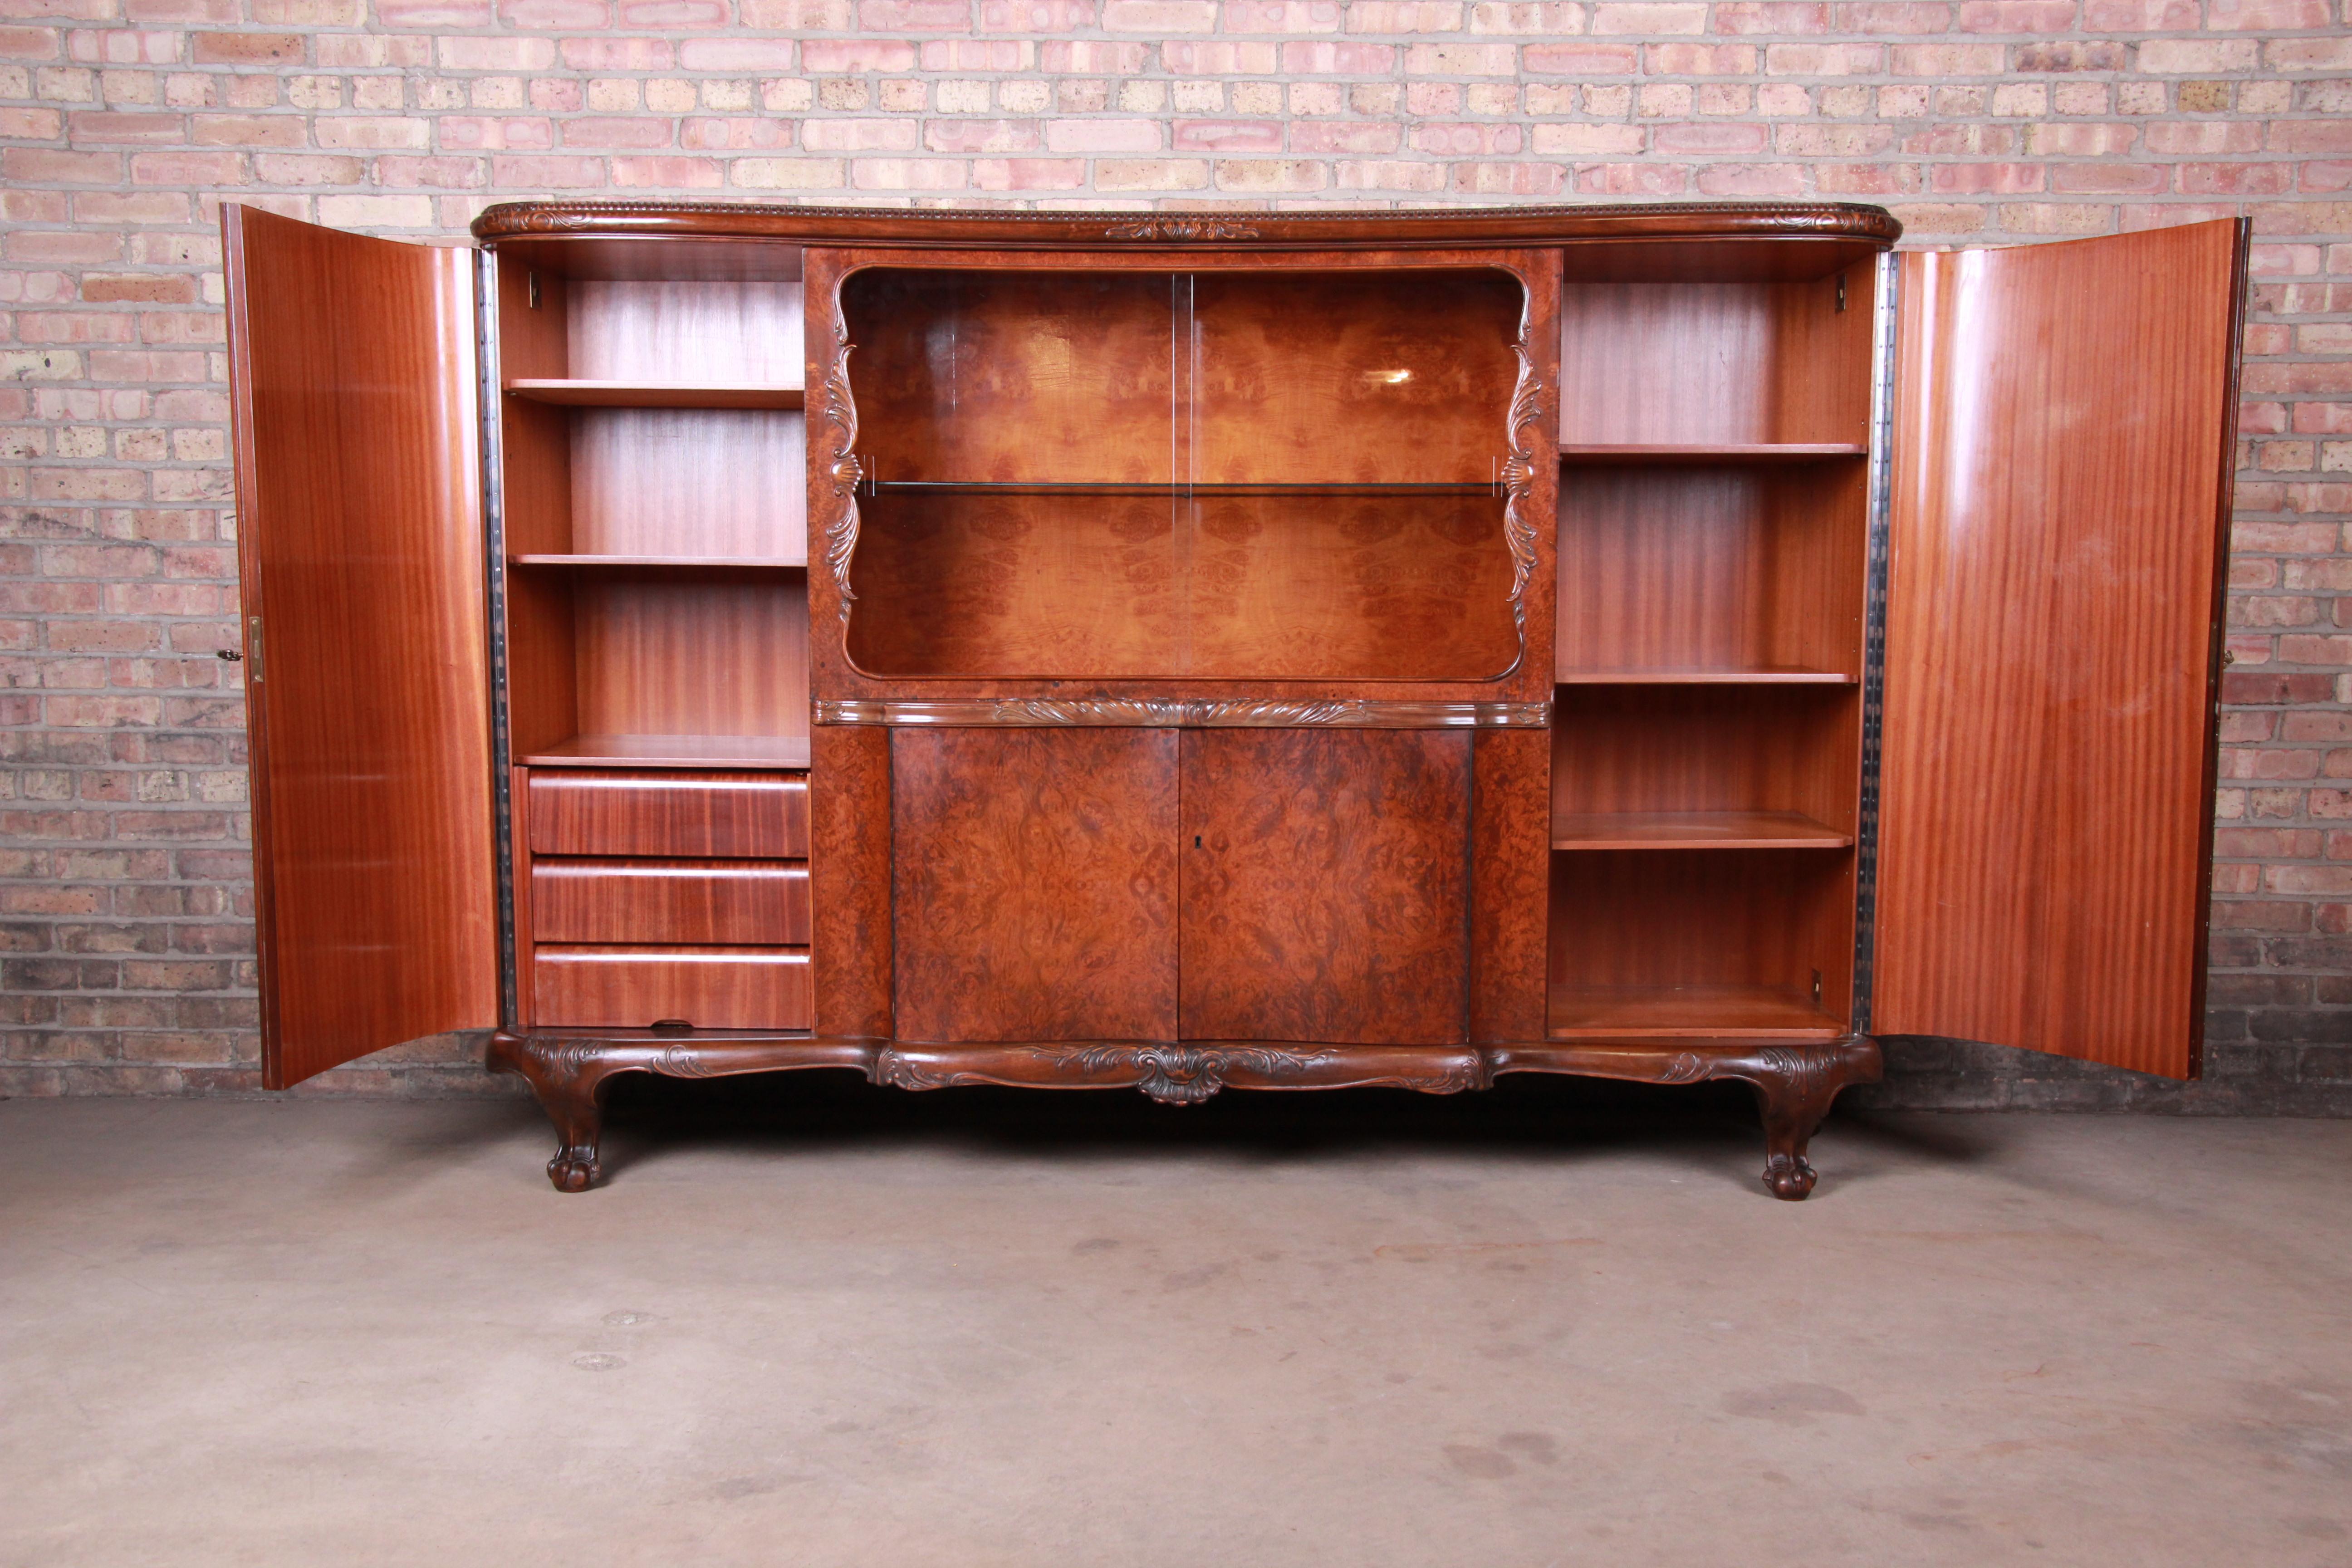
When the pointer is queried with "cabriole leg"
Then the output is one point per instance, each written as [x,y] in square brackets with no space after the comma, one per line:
[1795,1085]
[569,1078]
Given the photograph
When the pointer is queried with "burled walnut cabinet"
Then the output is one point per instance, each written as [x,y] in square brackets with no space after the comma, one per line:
[1274,651]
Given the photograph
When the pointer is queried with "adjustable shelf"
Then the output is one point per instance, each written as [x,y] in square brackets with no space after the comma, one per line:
[1693,830]
[1625,455]
[1627,1012]
[1762,675]
[664,562]
[573,393]
[674,751]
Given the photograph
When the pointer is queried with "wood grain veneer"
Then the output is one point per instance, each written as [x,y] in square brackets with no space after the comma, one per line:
[1647,932]
[703,333]
[1712,363]
[677,902]
[689,482]
[709,988]
[1715,568]
[1329,377]
[1510,867]
[743,816]
[2062,425]
[1707,749]
[849,879]
[352,409]
[1104,587]
[1035,884]
[1326,880]
[716,654]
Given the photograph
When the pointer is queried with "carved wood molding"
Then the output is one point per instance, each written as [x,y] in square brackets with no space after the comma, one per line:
[1181,229]
[1182,1073]
[1338,226]
[840,413]
[1155,713]
[1523,429]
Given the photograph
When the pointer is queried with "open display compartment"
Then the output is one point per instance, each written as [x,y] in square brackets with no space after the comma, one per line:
[1713,566]
[655,505]
[1244,474]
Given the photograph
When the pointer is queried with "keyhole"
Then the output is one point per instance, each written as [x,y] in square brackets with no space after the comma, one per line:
[1196,841]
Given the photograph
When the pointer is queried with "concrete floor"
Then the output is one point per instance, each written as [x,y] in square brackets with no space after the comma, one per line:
[827,1324]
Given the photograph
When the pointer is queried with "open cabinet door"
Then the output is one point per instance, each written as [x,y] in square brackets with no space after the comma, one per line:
[352,366]
[2064,416]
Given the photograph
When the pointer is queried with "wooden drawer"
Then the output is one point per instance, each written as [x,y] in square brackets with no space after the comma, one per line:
[752,817]
[671,902]
[637,987]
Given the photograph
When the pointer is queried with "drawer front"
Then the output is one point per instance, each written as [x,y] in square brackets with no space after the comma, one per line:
[671,902]
[635,988]
[751,817]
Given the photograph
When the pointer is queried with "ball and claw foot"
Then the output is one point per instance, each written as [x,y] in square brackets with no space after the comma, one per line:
[572,1170]
[1789,1177]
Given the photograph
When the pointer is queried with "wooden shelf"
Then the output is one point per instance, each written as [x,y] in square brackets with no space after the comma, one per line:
[1624,1012]
[1693,830]
[674,751]
[653,395]
[1762,675]
[1667,453]
[662,562]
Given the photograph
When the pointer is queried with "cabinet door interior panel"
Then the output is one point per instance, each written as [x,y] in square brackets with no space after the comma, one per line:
[1715,362]
[360,543]
[1765,921]
[702,332]
[758,816]
[1618,748]
[1722,568]
[635,988]
[718,655]
[1325,885]
[1325,378]
[688,482]
[1034,877]
[689,902]
[2062,425]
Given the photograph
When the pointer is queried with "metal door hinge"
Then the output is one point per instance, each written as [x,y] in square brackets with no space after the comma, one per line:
[253,647]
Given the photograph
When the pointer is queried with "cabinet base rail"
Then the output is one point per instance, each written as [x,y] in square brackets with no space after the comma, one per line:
[1795,1081]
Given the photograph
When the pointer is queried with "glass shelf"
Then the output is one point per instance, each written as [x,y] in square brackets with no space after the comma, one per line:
[1090,487]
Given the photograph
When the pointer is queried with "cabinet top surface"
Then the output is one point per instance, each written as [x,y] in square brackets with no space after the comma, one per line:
[1338,227]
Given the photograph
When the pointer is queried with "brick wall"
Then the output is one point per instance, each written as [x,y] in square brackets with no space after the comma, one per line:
[124,903]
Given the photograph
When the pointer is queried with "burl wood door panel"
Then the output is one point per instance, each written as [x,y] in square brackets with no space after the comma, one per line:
[1325,885]
[359,557]
[747,903]
[1034,881]
[2063,429]
[635,988]
[755,816]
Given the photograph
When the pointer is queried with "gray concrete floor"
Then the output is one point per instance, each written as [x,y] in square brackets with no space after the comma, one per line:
[838,1325]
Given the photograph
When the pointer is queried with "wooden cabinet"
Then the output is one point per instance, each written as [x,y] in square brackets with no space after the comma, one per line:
[1276,651]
